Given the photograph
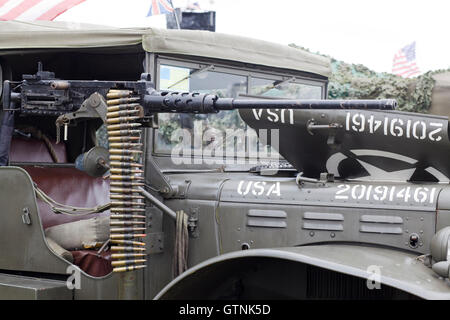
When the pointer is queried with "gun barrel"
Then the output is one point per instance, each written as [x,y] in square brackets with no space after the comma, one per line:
[206,103]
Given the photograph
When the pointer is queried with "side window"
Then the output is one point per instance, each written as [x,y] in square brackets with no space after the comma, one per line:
[192,134]
[224,85]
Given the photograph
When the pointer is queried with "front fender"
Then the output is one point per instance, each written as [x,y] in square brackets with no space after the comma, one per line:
[286,273]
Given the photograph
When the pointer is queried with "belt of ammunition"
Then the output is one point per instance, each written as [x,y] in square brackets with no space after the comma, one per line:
[127,262]
[114,102]
[129,229]
[127,242]
[129,268]
[120,119]
[126,249]
[126,223]
[127,255]
[126,236]
[125,173]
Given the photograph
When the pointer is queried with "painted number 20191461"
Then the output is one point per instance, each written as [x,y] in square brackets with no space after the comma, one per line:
[385,193]
[395,127]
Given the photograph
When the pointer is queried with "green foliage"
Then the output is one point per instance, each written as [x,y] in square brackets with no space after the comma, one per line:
[355,81]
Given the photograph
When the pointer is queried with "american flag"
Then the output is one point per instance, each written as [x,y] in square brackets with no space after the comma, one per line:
[160,7]
[404,63]
[29,10]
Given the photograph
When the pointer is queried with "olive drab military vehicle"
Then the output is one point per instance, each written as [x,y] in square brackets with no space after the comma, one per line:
[175,164]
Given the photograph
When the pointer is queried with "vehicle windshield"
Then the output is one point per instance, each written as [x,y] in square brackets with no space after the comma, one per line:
[225,133]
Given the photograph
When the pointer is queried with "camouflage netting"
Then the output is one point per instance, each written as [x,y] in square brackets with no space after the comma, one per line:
[355,81]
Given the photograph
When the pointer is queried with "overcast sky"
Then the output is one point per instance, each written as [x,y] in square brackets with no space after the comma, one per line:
[367,32]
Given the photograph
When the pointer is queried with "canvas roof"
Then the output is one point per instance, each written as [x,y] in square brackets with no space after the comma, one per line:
[52,34]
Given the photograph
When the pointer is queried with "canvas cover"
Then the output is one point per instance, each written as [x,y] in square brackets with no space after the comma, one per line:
[52,34]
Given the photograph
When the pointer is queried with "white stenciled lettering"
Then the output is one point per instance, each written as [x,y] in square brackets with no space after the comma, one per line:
[385,193]
[258,188]
[395,127]
[275,115]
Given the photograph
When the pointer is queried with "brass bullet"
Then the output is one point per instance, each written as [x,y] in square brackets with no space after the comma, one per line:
[127,236]
[118,94]
[125,178]
[129,268]
[130,229]
[119,164]
[125,145]
[115,209]
[127,255]
[126,249]
[127,262]
[120,119]
[127,216]
[114,102]
[127,242]
[122,113]
[124,197]
[120,107]
[123,139]
[125,171]
[126,223]
[122,190]
[123,132]
[113,157]
[126,203]
[127,184]
[124,151]
[122,126]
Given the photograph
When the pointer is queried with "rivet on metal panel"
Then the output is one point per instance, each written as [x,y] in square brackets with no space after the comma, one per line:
[26,219]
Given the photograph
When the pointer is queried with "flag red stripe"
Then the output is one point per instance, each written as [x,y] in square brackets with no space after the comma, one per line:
[2,2]
[19,9]
[58,9]
[155,7]
[404,67]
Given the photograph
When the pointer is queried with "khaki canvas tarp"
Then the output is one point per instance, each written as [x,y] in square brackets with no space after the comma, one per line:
[45,34]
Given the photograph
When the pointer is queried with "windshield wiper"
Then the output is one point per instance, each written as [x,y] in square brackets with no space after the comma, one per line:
[275,84]
[207,68]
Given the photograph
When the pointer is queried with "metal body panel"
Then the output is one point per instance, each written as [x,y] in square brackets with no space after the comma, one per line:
[398,269]
[401,145]
[23,246]
[13,287]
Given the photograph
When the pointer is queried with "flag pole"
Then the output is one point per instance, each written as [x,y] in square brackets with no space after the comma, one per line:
[175,14]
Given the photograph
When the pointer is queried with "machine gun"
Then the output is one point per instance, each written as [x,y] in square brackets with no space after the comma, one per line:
[125,106]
